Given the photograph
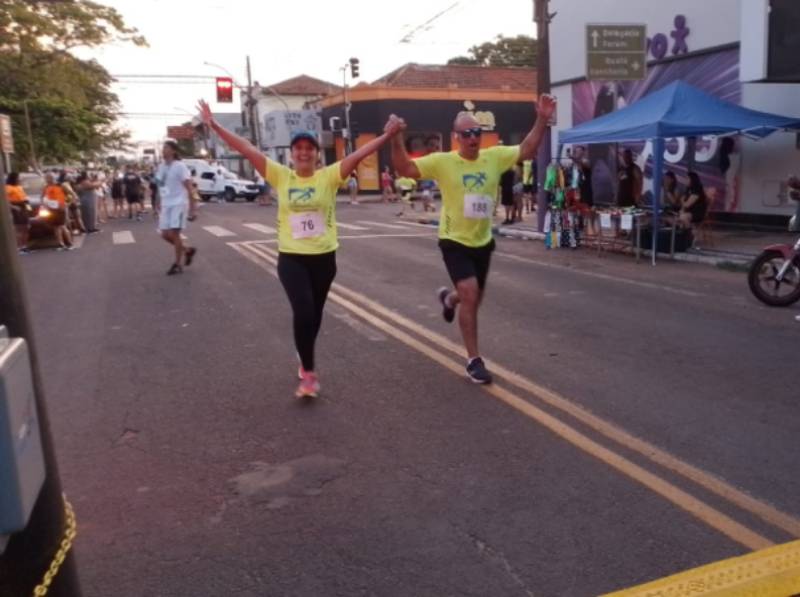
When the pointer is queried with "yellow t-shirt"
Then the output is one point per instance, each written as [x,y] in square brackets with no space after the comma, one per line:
[15,194]
[469,190]
[527,172]
[306,208]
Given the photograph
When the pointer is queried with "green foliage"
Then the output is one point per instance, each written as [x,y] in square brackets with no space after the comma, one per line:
[503,51]
[70,102]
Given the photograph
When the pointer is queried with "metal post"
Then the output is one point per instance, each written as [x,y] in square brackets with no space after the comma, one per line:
[658,167]
[542,17]
[30,552]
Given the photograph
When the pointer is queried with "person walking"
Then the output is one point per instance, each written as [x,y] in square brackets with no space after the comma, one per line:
[387,185]
[133,193]
[117,195]
[102,197]
[74,220]
[468,180]
[174,181]
[306,221]
[352,187]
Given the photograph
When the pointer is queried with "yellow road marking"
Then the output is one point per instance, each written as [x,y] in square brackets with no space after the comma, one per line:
[709,482]
[772,572]
[707,514]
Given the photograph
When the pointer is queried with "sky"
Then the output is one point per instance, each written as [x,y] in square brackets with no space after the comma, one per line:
[285,39]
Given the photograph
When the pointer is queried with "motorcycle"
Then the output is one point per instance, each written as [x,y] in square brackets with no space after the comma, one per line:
[774,276]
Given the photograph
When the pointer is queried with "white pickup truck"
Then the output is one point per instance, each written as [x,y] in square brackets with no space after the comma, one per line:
[214,180]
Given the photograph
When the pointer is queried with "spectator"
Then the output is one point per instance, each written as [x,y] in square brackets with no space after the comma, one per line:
[102,196]
[387,185]
[584,176]
[18,201]
[54,199]
[74,221]
[528,168]
[629,190]
[264,195]
[793,186]
[352,186]
[117,194]
[507,194]
[518,190]
[671,199]
[694,203]
[133,193]
[87,197]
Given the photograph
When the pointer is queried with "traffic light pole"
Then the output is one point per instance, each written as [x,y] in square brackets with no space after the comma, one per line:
[31,551]
[349,144]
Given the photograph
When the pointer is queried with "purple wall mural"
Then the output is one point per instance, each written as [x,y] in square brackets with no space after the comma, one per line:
[716,160]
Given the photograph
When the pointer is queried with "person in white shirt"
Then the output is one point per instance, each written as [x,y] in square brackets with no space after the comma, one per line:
[175,187]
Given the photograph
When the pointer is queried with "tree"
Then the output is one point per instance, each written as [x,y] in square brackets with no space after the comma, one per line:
[503,51]
[72,108]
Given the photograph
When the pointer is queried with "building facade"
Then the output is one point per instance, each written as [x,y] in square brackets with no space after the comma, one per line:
[729,48]
[429,97]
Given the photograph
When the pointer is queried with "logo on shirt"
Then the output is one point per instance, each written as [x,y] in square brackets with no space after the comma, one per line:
[474,182]
[306,194]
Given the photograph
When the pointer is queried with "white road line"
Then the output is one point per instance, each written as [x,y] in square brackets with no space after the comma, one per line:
[260,228]
[382,225]
[124,237]
[218,231]
[418,225]
[350,226]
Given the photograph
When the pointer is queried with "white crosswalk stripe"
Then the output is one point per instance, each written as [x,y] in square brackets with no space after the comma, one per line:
[416,224]
[263,228]
[350,226]
[382,225]
[124,237]
[218,231]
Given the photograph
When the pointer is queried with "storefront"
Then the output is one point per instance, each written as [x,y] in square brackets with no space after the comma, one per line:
[429,98]
[701,44]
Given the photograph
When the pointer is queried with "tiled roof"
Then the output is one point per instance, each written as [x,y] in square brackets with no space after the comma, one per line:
[461,76]
[304,85]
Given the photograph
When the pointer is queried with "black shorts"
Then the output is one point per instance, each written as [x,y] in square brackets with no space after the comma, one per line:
[465,262]
[527,189]
[132,200]
[20,214]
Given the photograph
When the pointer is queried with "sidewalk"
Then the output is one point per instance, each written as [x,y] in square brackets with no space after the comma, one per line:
[728,248]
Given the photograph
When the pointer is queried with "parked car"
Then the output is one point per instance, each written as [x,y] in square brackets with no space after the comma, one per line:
[214,180]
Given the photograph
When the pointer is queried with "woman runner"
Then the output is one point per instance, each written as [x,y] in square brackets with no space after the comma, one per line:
[307,240]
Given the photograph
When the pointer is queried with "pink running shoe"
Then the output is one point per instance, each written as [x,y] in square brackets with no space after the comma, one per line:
[309,386]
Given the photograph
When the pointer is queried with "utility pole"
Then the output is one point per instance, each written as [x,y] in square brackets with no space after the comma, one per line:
[542,18]
[251,104]
[30,136]
[30,552]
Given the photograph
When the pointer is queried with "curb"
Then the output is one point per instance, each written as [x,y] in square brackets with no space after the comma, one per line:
[733,262]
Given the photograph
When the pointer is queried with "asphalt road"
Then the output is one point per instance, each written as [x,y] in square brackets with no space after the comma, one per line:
[644,420]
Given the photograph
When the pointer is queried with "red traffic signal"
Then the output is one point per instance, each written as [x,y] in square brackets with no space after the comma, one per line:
[225,90]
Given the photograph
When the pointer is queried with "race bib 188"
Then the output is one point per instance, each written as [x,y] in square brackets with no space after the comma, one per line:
[307,224]
[477,207]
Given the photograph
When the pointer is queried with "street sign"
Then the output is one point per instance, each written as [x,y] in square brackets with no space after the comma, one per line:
[6,138]
[616,52]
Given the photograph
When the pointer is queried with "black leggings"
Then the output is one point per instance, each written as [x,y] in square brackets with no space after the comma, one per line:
[307,280]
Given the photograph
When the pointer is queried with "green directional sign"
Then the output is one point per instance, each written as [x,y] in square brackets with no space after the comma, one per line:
[616,52]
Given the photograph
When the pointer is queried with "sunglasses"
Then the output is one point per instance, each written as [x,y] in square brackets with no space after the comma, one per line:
[473,132]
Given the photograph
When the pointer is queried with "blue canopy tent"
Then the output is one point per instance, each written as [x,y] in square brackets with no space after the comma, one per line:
[677,110]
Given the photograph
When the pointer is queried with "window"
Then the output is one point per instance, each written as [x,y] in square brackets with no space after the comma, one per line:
[784,41]
[207,176]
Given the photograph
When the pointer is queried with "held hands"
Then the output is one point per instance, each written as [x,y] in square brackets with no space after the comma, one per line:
[205,113]
[546,106]
[394,125]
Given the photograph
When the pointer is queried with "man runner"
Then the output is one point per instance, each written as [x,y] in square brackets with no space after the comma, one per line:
[468,181]
[174,189]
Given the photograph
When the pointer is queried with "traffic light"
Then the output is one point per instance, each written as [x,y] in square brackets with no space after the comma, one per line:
[354,68]
[224,90]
